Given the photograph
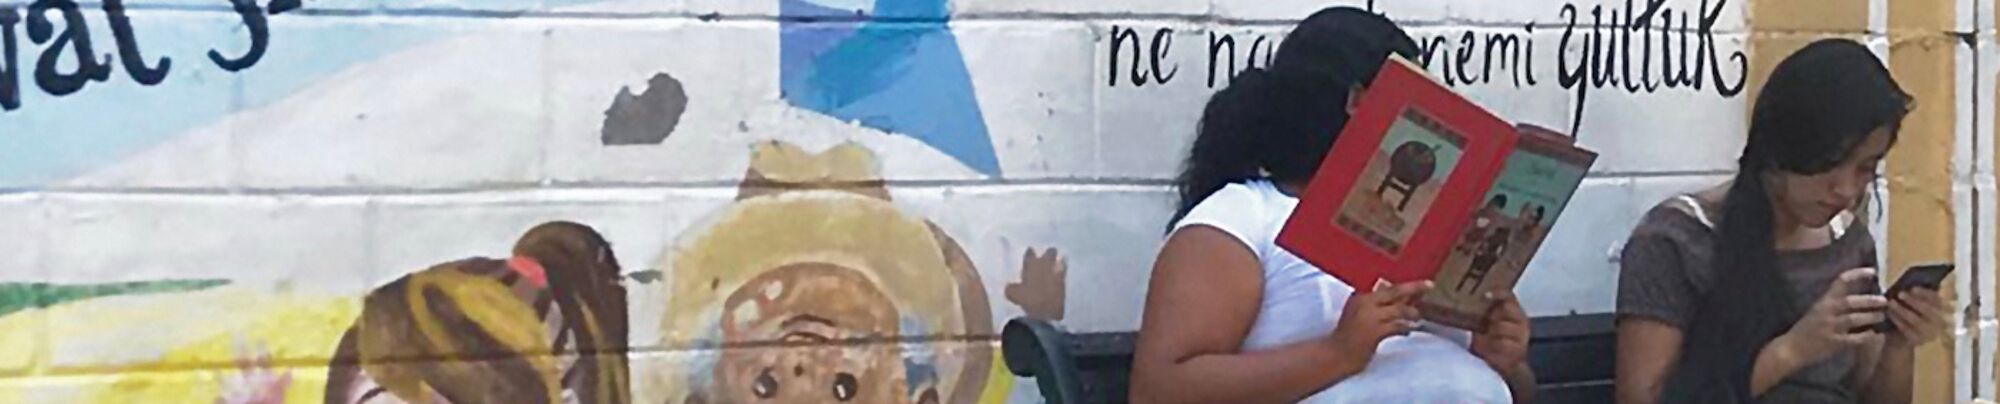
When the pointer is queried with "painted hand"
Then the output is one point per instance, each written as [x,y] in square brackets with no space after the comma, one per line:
[1920,315]
[255,381]
[1040,293]
[1504,343]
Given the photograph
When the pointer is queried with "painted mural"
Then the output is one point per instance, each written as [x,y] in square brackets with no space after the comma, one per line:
[720,201]
[811,284]
[873,72]
[546,325]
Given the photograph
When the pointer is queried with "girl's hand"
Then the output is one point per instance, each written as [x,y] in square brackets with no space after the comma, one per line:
[1828,327]
[1920,315]
[1371,317]
[1504,343]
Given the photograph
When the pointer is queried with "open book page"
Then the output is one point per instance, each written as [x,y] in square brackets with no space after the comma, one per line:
[1507,228]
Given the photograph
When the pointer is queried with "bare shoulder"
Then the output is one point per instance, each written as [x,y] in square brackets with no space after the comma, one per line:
[1205,245]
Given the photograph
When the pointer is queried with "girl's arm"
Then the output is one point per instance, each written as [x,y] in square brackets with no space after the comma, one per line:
[1891,375]
[1777,361]
[1647,351]
[1205,292]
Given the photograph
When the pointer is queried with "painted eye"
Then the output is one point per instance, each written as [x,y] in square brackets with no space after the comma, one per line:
[844,386]
[766,385]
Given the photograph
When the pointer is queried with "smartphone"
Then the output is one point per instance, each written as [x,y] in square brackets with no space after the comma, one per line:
[1926,276]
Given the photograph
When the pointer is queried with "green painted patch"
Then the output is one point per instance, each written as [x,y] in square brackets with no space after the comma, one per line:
[22,296]
[646,277]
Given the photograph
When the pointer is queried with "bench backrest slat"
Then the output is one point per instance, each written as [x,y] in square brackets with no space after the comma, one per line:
[1573,358]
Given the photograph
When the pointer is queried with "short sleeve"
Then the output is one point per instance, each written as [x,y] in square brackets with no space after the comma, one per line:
[1653,280]
[1868,258]
[1236,209]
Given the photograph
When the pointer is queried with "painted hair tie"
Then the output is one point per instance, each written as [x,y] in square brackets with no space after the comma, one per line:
[529,269]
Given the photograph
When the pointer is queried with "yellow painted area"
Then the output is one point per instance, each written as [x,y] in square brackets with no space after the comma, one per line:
[181,360]
[1780,27]
[1921,216]
[1810,16]
[1769,48]
[999,381]
[23,331]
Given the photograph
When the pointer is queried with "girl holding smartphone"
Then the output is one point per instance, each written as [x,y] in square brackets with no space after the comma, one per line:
[1763,289]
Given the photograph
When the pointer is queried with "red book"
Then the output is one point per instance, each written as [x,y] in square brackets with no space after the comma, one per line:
[1423,184]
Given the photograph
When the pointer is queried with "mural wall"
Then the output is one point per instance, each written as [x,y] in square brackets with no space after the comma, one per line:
[719,201]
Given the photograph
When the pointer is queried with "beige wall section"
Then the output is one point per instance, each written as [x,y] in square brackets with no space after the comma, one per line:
[1780,27]
[1923,56]
[1767,48]
[1814,16]
[1921,217]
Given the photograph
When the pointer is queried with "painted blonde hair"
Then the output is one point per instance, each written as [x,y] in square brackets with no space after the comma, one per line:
[461,336]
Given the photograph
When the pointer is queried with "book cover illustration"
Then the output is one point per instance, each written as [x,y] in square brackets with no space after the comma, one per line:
[1390,197]
[1507,229]
[1402,179]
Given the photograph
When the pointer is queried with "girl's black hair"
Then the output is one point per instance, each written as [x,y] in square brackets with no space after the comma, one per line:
[1817,107]
[1279,122]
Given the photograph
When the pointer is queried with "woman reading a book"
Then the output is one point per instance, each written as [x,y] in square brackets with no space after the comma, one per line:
[1762,289]
[1231,317]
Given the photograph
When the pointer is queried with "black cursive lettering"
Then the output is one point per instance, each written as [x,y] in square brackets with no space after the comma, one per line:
[1572,76]
[1120,37]
[1645,26]
[10,72]
[1528,56]
[1163,43]
[1465,44]
[1262,45]
[128,47]
[1625,42]
[1509,50]
[70,46]
[1613,48]
[1722,86]
[1215,52]
[75,38]
[260,38]
[281,6]
[1603,52]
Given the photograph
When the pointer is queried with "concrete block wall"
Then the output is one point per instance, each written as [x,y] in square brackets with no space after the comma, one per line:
[1003,158]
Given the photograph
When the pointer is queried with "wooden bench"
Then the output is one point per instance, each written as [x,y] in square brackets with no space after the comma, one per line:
[1573,358]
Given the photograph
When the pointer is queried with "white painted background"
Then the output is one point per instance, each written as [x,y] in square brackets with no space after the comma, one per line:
[449,145]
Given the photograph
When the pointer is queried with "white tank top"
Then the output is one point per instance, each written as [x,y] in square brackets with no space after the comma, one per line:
[1301,302]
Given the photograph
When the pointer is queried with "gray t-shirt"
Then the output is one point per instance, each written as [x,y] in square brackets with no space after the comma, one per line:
[1666,270]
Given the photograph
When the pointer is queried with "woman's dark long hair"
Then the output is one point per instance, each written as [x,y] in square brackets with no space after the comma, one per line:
[1817,107]
[1280,121]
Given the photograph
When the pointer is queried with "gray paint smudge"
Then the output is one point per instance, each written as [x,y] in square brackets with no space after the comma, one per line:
[647,118]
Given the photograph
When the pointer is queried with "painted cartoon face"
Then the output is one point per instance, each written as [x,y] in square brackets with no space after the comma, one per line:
[810,333]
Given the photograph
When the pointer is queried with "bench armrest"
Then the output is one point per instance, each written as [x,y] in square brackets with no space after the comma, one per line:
[1037,349]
